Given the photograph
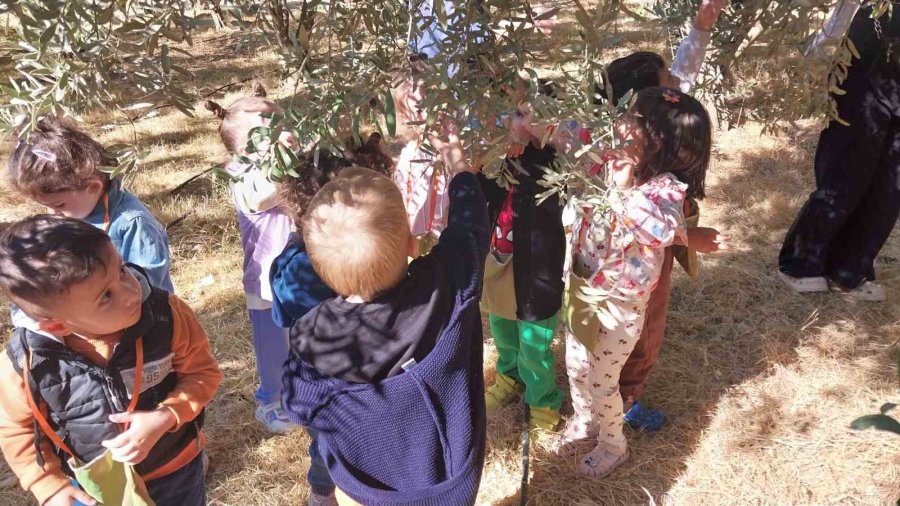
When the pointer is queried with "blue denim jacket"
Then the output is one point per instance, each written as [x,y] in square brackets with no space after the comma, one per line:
[136,233]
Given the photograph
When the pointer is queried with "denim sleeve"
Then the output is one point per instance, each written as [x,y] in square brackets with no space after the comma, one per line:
[143,241]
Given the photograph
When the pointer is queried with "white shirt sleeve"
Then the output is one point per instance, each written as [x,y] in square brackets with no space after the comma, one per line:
[431,41]
[689,58]
[835,27]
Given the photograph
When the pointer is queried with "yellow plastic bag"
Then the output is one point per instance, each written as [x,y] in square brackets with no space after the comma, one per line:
[577,314]
[498,296]
[111,483]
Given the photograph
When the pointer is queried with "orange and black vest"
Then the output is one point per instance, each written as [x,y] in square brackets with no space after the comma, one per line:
[78,396]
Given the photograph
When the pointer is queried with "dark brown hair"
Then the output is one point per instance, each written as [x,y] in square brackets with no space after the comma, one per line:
[41,257]
[235,128]
[678,136]
[636,71]
[296,192]
[56,158]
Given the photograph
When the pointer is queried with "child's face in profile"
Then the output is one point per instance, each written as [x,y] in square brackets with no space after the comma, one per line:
[631,143]
[76,204]
[669,80]
[105,303]
[408,96]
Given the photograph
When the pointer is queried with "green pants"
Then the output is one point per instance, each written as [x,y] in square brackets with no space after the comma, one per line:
[525,355]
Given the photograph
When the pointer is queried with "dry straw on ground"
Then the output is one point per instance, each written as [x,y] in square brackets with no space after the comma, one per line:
[759,384]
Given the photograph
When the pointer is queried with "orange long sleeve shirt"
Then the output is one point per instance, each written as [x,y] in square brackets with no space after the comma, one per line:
[198,378]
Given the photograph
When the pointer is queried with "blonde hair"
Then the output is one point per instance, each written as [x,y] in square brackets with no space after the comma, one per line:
[356,233]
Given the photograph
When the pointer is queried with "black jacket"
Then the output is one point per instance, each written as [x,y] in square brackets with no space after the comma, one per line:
[539,241]
[878,42]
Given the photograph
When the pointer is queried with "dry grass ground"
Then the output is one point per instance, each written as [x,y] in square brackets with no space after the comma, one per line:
[759,384]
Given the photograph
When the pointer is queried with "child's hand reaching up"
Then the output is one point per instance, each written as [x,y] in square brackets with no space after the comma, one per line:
[449,146]
[708,14]
[707,240]
[68,495]
[144,431]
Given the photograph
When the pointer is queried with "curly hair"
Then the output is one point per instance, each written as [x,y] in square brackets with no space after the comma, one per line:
[297,192]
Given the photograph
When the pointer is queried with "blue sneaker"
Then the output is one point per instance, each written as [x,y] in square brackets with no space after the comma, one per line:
[642,418]
[272,416]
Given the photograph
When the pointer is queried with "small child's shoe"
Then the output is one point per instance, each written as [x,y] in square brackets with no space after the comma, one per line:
[272,416]
[322,500]
[600,462]
[574,438]
[642,418]
[868,291]
[812,284]
[542,418]
[504,391]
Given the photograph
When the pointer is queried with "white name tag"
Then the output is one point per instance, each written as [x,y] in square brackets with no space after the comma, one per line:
[153,374]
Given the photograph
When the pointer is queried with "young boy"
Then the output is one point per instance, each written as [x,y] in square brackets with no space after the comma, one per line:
[523,288]
[296,288]
[93,320]
[390,371]
[58,167]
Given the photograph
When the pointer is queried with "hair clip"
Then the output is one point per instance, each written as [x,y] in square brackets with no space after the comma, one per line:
[671,97]
[44,155]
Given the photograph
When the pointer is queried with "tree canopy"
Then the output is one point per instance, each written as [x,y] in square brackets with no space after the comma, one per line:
[344,55]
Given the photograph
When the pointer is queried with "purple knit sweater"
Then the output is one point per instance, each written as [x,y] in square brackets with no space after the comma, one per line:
[417,438]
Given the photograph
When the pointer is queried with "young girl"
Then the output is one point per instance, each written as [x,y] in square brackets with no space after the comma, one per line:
[666,139]
[59,167]
[420,174]
[265,229]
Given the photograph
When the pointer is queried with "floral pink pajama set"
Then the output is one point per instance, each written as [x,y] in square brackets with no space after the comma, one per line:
[618,254]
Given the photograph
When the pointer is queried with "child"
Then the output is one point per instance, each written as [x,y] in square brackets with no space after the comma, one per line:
[667,138]
[389,371]
[644,68]
[636,72]
[265,229]
[523,287]
[95,320]
[421,176]
[59,167]
[296,288]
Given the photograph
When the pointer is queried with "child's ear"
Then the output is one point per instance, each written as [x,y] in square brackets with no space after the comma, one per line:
[95,186]
[54,327]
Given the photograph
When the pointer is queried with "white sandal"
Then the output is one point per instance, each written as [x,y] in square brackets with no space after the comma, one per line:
[804,285]
[868,291]
[601,462]
[568,444]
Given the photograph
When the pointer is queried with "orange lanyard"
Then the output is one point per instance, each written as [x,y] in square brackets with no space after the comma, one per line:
[106,212]
[42,420]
